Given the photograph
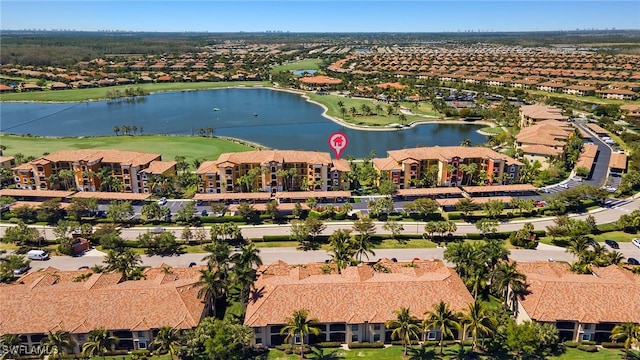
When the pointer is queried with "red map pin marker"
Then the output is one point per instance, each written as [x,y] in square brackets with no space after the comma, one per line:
[338,141]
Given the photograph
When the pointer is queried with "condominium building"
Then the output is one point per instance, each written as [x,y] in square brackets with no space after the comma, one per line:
[531,114]
[272,171]
[447,166]
[584,307]
[80,301]
[84,170]
[544,141]
[352,305]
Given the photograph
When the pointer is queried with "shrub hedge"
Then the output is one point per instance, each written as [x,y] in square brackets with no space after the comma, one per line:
[328,344]
[571,344]
[399,342]
[366,345]
[588,348]
[612,345]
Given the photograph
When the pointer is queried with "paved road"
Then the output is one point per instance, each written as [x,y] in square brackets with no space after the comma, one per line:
[601,169]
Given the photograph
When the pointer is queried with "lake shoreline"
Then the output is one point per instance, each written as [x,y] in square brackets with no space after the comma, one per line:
[304,95]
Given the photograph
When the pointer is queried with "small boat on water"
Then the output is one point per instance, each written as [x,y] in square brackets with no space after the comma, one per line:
[216,109]
[255,114]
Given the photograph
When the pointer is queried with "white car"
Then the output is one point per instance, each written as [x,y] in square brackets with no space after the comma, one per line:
[564,186]
[162,201]
[636,242]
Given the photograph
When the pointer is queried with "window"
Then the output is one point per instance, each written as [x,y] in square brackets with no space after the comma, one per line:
[586,337]
[354,338]
[257,330]
[354,327]
[81,337]
[258,340]
[431,335]
[142,345]
[376,337]
[376,326]
[142,334]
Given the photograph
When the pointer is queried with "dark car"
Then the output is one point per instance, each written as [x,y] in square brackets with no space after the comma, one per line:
[612,244]
[204,213]
[633,261]
[21,270]
[192,264]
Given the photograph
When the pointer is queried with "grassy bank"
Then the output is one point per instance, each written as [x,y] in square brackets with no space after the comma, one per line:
[377,117]
[101,93]
[305,64]
[190,147]
[422,108]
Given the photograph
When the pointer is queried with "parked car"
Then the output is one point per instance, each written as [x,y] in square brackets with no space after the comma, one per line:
[636,242]
[83,267]
[564,186]
[21,270]
[633,261]
[162,201]
[37,255]
[204,213]
[613,244]
[192,264]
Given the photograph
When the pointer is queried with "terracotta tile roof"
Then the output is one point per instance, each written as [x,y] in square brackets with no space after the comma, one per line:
[133,158]
[158,167]
[357,295]
[233,196]
[25,166]
[395,85]
[36,193]
[100,195]
[610,294]
[341,165]
[386,164]
[429,191]
[50,299]
[303,195]
[279,156]
[34,204]
[499,188]
[618,161]
[541,150]
[597,129]
[6,158]
[320,80]
[445,153]
[207,167]
[542,112]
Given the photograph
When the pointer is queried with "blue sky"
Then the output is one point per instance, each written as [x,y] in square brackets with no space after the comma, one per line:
[319,16]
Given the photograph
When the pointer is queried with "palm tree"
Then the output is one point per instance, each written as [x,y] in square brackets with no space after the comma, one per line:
[211,284]
[249,256]
[378,108]
[479,321]
[125,262]
[300,325]
[99,342]
[353,111]
[402,118]
[466,142]
[507,276]
[343,112]
[57,342]
[443,319]
[116,130]
[167,340]
[628,331]
[405,327]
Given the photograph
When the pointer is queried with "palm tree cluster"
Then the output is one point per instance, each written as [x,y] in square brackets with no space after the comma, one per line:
[227,274]
[588,252]
[476,320]
[345,248]
[485,266]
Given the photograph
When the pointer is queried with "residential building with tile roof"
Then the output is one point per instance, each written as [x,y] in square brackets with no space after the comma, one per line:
[276,170]
[581,306]
[407,167]
[80,301]
[544,141]
[351,306]
[126,166]
[531,114]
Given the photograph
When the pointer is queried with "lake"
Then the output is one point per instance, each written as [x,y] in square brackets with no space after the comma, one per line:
[275,119]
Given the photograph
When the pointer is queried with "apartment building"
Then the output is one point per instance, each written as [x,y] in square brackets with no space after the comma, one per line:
[544,141]
[447,165]
[584,307]
[82,170]
[79,301]
[352,305]
[531,114]
[272,171]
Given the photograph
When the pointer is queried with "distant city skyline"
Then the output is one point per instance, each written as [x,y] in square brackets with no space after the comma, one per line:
[319,16]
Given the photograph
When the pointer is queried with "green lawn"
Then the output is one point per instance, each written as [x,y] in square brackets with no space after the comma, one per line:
[305,64]
[589,99]
[100,93]
[169,146]
[492,130]
[377,118]
[395,352]
[423,108]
